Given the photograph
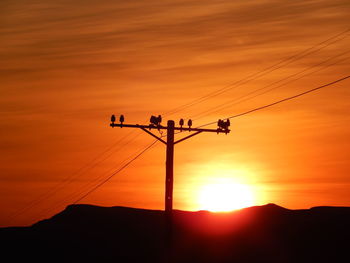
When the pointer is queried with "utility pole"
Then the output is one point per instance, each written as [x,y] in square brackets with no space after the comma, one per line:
[155,123]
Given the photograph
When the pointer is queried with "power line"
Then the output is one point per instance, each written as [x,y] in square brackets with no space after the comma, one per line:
[280,101]
[116,172]
[74,176]
[80,172]
[77,193]
[241,98]
[273,88]
[88,185]
[265,71]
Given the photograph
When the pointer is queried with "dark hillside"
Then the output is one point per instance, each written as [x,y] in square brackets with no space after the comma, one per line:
[86,233]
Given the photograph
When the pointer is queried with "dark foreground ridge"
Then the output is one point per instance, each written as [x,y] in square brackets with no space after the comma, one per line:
[269,233]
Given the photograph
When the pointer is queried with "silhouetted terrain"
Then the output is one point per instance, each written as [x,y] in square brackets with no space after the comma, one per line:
[85,233]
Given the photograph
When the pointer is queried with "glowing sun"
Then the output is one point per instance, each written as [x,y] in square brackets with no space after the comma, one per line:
[225,196]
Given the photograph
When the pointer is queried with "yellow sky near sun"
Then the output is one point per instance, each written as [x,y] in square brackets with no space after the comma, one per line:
[67,66]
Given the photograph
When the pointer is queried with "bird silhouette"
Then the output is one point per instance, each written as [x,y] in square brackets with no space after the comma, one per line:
[121,119]
[113,118]
[181,122]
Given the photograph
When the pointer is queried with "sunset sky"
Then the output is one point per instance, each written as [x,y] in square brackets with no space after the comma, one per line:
[66,66]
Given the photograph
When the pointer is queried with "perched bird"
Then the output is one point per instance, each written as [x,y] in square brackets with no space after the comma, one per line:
[223,125]
[121,119]
[154,120]
[189,123]
[181,122]
[113,118]
[159,119]
[220,123]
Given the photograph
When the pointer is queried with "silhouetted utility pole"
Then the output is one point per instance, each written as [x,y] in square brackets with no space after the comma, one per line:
[155,123]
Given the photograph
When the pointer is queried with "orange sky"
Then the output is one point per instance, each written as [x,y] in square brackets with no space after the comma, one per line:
[66,66]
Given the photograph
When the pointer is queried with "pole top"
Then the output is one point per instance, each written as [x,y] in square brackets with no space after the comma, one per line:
[171,123]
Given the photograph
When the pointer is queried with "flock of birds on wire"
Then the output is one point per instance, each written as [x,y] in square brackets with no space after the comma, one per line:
[156,122]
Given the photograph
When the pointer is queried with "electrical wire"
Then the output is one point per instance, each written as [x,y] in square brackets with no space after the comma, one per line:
[105,179]
[263,72]
[280,101]
[116,172]
[80,172]
[241,98]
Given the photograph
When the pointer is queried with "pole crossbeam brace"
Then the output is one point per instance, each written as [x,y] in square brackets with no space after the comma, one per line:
[201,130]
[153,135]
[187,137]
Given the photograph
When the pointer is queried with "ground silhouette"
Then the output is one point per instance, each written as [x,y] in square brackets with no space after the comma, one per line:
[269,233]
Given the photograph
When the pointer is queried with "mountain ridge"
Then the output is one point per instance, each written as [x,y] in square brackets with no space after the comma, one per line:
[267,233]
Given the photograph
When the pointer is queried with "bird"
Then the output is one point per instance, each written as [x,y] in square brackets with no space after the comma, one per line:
[220,123]
[159,119]
[113,118]
[181,122]
[189,123]
[154,120]
[121,119]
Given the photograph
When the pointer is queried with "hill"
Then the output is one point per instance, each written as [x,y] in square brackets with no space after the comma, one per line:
[269,233]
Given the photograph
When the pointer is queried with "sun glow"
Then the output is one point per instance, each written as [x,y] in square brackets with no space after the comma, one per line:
[225,196]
